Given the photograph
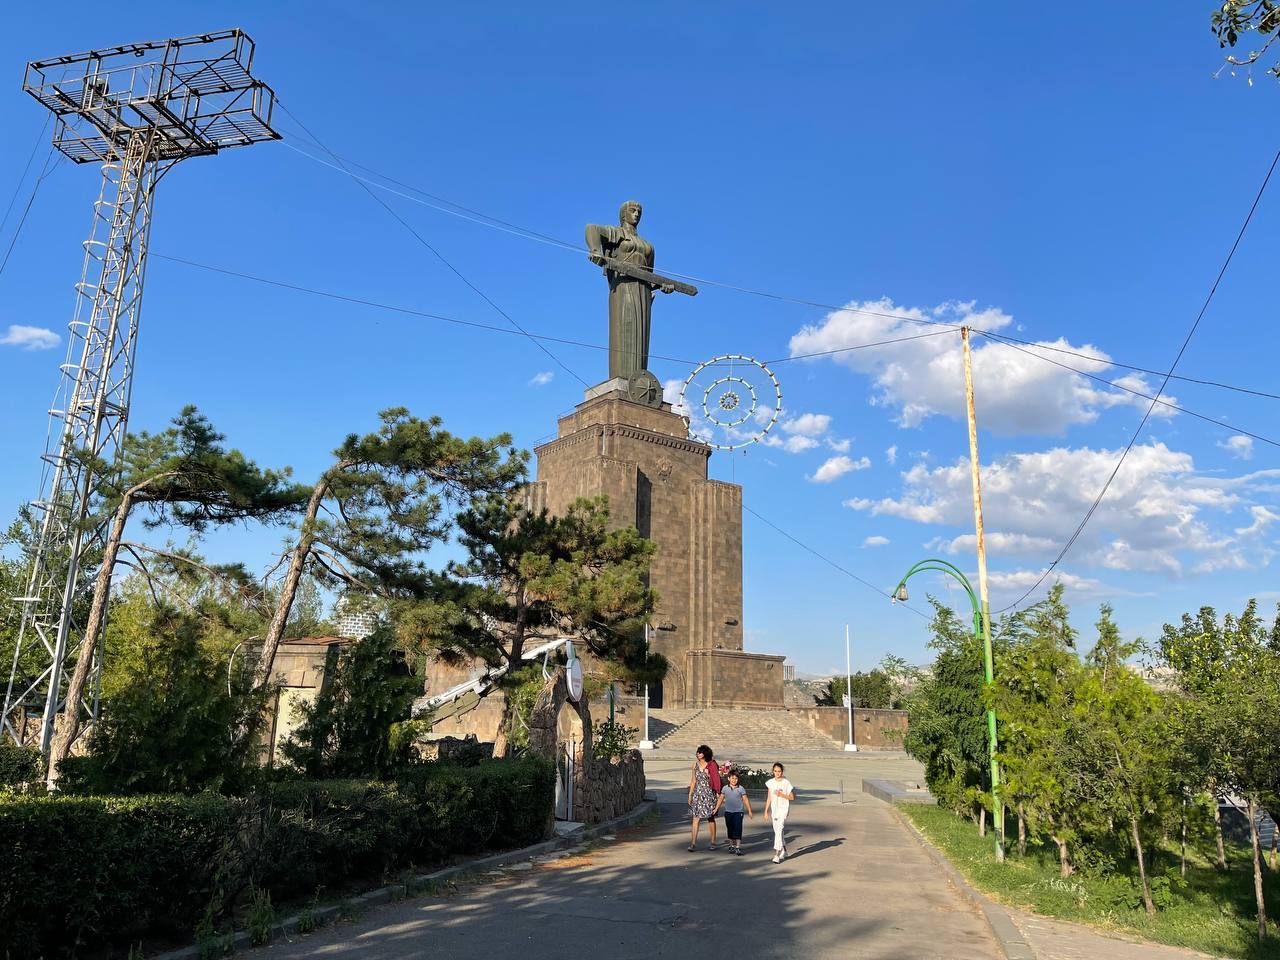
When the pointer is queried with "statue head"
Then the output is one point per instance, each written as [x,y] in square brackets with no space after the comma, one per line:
[629,213]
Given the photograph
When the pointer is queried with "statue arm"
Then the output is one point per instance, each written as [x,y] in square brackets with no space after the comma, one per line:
[597,237]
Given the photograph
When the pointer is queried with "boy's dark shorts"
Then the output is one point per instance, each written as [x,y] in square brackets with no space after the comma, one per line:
[733,823]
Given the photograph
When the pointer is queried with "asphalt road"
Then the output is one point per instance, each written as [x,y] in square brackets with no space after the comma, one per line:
[857,886]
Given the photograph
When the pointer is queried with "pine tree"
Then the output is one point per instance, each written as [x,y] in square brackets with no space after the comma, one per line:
[184,476]
[531,577]
[384,503]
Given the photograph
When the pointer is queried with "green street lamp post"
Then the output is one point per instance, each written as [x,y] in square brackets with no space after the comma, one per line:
[981,631]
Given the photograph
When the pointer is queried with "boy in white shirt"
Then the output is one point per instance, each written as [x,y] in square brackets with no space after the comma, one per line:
[777,804]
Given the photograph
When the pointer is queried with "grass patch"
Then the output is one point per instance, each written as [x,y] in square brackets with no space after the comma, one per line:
[1212,912]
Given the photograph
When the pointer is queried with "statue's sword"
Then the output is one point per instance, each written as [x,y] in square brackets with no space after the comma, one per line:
[639,273]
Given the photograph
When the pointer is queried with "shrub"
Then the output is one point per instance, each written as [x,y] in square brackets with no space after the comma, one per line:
[18,765]
[112,870]
[613,740]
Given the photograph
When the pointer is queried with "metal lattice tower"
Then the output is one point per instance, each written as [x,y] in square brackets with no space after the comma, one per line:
[137,109]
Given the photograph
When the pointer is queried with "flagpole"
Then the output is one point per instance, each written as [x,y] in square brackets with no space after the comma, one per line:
[646,743]
[850,746]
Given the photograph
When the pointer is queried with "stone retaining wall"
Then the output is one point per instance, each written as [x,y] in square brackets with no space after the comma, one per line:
[607,789]
[872,729]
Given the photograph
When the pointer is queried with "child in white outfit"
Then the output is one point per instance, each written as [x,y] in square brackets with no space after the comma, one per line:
[777,804]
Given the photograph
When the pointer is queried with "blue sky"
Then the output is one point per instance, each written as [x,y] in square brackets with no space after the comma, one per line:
[1073,179]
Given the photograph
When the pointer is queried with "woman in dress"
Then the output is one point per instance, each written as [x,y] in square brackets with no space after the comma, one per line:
[702,796]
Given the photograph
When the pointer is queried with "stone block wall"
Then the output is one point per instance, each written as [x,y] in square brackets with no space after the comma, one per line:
[872,729]
[606,789]
[733,678]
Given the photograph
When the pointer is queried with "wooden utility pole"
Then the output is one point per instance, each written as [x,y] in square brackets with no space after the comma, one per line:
[983,597]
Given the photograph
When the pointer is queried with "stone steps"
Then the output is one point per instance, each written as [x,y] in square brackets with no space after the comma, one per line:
[775,731]
[665,723]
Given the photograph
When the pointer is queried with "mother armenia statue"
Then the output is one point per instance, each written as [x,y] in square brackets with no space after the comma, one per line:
[627,259]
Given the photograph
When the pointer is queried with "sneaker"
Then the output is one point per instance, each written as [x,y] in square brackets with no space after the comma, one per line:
[738,851]
[776,858]
[712,847]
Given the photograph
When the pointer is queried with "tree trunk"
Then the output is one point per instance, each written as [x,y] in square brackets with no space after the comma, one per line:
[1064,858]
[982,821]
[69,728]
[1217,833]
[289,589]
[1183,857]
[1257,869]
[501,742]
[1022,831]
[1147,902]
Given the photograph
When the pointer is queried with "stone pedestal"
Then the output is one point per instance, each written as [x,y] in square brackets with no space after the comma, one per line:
[656,479]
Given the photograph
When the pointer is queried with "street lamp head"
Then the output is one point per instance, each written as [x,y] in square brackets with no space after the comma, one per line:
[901,592]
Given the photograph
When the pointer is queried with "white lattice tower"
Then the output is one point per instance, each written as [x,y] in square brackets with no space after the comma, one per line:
[138,109]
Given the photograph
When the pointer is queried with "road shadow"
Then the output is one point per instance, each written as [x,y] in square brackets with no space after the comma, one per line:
[635,894]
[815,848]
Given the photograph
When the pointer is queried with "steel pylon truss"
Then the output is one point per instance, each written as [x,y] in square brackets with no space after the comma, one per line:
[139,109]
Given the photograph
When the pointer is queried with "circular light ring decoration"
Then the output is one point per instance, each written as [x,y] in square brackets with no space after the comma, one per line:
[734,398]
[728,401]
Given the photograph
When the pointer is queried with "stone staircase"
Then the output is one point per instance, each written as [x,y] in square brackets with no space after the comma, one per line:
[665,723]
[772,732]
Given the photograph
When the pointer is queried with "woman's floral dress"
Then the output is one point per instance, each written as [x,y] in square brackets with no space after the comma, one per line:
[704,801]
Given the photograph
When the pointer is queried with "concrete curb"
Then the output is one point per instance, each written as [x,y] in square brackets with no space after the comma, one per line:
[892,791]
[323,916]
[1012,943]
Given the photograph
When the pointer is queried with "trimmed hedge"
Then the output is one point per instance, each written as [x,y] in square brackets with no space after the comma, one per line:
[93,872]
[18,765]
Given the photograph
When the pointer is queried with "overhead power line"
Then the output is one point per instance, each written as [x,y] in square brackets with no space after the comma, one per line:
[50,163]
[1186,341]
[438,255]
[417,195]
[1155,399]
[475,324]
[827,560]
[22,177]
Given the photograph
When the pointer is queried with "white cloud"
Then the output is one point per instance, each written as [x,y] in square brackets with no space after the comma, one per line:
[1159,515]
[839,446]
[997,542]
[1262,518]
[807,424]
[875,541]
[30,338]
[1021,579]
[672,394]
[837,467]
[542,379]
[1239,446]
[802,432]
[891,455]
[1016,392]
[793,444]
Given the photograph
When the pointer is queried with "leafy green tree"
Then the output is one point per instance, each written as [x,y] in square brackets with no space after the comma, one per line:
[1228,678]
[946,729]
[1235,20]
[1121,728]
[531,577]
[170,707]
[871,691]
[375,512]
[1043,766]
[184,476]
[359,724]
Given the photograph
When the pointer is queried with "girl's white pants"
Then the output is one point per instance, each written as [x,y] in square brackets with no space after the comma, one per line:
[778,824]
